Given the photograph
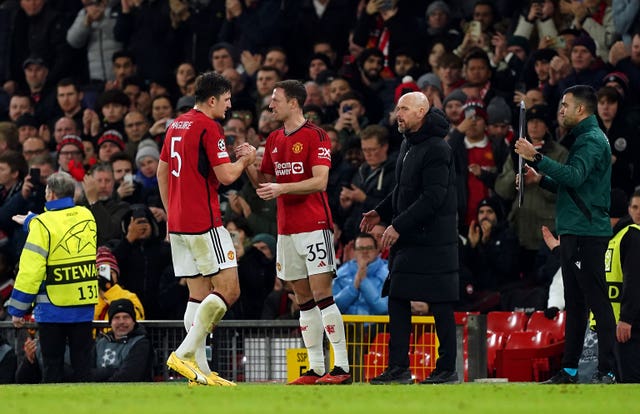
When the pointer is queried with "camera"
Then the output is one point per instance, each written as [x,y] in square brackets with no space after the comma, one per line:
[469,113]
[139,213]
[128,178]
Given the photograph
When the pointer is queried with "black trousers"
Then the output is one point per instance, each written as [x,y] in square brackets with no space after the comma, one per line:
[585,289]
[400,332]
[629,355]
[54,338]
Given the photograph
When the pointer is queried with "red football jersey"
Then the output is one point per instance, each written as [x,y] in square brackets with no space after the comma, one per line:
[193,145]
[290,157]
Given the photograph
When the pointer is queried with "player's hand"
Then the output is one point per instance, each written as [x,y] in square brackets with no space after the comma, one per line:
[269,191]
[623,332]
[369,219]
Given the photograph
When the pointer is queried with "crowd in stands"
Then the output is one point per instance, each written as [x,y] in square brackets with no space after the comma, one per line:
[90,86]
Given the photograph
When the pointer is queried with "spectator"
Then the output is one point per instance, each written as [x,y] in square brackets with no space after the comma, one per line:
[538,207]
[99,198]
[352,118]
[112,106]
[20,103]
[13,169]
[142,256]
[71,155]
[630,65]
[92,30]
[36,74]
[136,127]
[184,73]
[32,147]
[475,157]
[252,26]
[8,137]
[28,126]
[124,353]
[223,56]
[124,66]
[372,182]
[110,292]
[491,254]
[69,97]
[358,282]
[109,143]
[256,274]
[62,127]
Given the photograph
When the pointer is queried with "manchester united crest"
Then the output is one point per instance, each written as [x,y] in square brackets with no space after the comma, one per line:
[231,255]
[297,148]
[279,267]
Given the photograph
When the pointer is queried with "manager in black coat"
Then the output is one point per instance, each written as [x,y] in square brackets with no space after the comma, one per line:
[423,238]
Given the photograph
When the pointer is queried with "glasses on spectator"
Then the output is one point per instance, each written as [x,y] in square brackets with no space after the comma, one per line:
[312,116]
[371,150]
[33,152]
[364,248]
[245,116]
[69,153]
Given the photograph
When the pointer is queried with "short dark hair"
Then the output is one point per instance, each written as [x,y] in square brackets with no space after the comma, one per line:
[270,69]
[16,162]
[125,54]
[211,84]
[585,95]
[375,131]
[69,82]
[120,156]
[477,53]
[366,236]
[450,60]
[637,192]
[609,93]
[293,89]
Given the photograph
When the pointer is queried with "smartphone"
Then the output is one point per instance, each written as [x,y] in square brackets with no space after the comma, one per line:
[475,28]
[521,87]
[559,42]
[347,108]
[35,175]
[128,178]
[104,270]
[469,113]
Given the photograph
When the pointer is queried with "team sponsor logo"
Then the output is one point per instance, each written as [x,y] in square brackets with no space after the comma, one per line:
[324,153]
[279,267]
[288,168]
[297,167]
[297,148]
[231,255]
[221,145]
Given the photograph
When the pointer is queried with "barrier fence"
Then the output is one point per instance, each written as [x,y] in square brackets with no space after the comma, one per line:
[273,351]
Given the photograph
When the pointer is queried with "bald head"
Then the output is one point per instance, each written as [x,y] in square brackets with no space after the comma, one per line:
[411,111]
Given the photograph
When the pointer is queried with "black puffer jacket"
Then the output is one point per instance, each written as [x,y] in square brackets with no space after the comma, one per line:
[422,208]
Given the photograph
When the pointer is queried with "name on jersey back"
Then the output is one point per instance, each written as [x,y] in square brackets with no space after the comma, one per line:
[181,124]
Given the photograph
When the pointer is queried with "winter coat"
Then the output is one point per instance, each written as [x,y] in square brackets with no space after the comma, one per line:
[422,208]
[366,300]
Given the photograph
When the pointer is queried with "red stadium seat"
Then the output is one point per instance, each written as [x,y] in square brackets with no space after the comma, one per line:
[528,340]
[420,363]
[506,322]
[380,344]
[373,365]
[495,341]
[538,322]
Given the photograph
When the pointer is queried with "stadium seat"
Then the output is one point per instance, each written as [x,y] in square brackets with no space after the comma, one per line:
[495,341]
[528,356]
[528,340]
[538,322]
[506,322]
[373,365]
[420,363]
[380,344]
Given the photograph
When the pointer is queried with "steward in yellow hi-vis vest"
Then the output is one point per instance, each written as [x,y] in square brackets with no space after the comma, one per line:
[58,273]
[58,265]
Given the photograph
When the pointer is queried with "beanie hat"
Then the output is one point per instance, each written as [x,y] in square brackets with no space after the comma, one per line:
[495,205]
[407,85]
[478,106]
[121,305]
[71,140]
[27,119]
[322,57]
[540,112]
[146,150]
[266,238]
[104,256]
[114,96]
[429,79]
[617,77]
[438,5]
[185,103]
[519,41]
[498,111]
[586,41]
[456,95]
[113,136]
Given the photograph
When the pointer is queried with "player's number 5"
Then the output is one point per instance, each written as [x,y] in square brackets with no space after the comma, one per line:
[176,155]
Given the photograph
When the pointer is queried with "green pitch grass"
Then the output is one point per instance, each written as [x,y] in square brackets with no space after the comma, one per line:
[176,397]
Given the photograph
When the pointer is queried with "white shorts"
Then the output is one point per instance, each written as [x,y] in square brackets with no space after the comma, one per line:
[304,254]
[202,254]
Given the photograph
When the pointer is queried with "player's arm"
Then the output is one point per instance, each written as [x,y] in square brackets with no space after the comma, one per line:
[227,173]
[163,183]
[257,177]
